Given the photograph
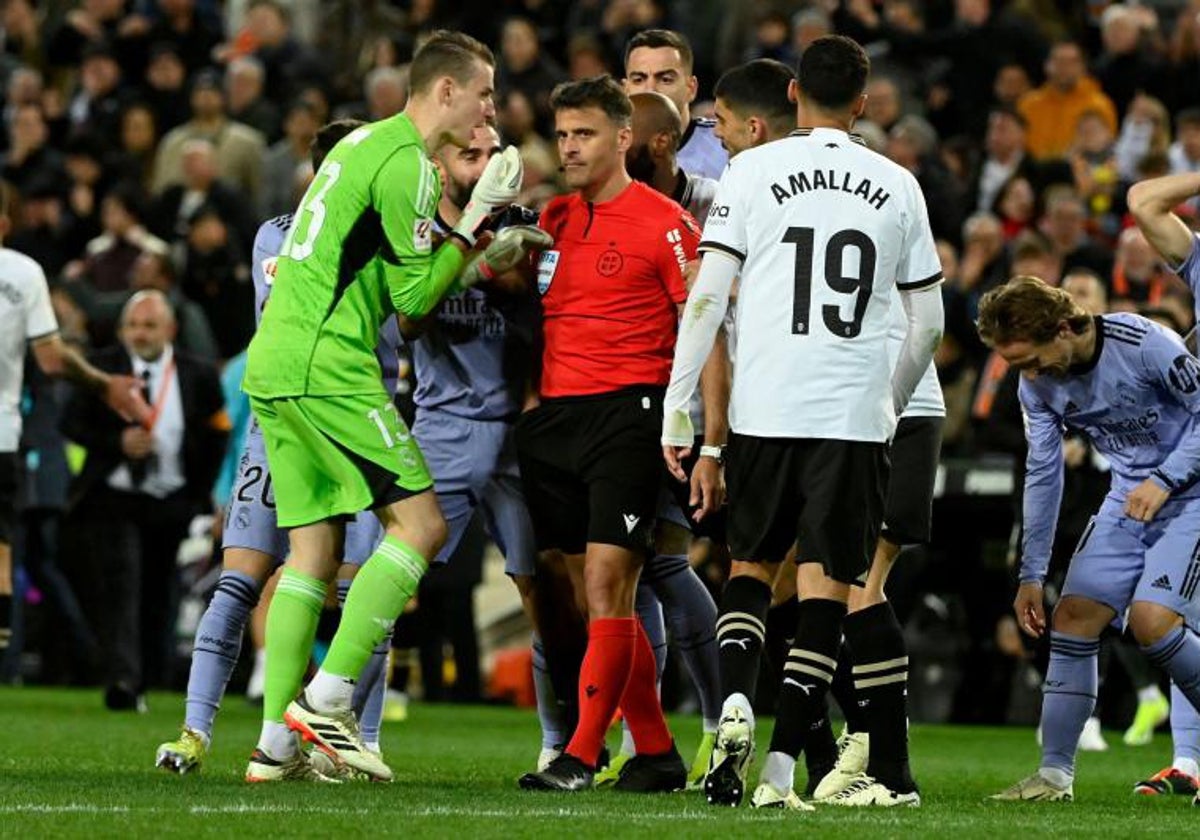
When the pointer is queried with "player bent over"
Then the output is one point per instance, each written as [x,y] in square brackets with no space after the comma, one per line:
[361,249]
[1134,390]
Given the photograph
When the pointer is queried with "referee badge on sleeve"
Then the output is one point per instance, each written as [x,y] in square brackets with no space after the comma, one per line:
[547,265]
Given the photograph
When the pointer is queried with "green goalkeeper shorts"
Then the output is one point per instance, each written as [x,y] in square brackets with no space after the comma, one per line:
[331,457]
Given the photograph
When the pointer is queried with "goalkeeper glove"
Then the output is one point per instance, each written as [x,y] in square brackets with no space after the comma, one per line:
[497,189]
[511,246]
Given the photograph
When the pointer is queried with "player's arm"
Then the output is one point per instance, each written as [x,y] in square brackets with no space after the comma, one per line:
[919,282]
[1153,203]
[1177,374]
[56,358]
[418,276]
[926,319]
[1043,484]
[698,329]
[1043,496]
[716,381]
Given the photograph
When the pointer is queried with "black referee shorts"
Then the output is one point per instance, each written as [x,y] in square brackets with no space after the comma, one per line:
[8,496]
[592,468]
[824,496]
[908,511]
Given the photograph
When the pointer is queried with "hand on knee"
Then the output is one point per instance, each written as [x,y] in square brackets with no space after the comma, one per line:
[1150,622]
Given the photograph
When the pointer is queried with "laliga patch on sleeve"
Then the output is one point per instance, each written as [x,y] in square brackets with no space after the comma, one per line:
[423,236]
[547,265]
[269,267]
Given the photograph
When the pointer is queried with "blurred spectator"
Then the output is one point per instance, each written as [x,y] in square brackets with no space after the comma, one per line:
[191,36]
[1087,288]
[154,271]
[96,106]
[1094,167]
[88,183]
[139,489]
[1011,83]
[808,25]
[23,33]
[772,39]
[45,230]
[30,156]
[1125,67]
[244,80]
[215,275]
[139,145]
[1184,153]
[385,92]
[93,23]
[1146,130]
[289,64]
[24,88]
[1065,226]
[166,87]
[1033,256]
[1016,206]
[517,122]
[284,159]
[884,106]
[586,57]
[239,148]
[202,187]
[1052,111]
[522,67]
[912,143]
[1138,276]
[984,262]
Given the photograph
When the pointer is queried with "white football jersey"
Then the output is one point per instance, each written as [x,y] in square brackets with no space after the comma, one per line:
[25,315]
[826,231]
[927,400]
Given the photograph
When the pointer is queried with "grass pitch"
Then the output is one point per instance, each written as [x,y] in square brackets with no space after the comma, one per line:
[69,768]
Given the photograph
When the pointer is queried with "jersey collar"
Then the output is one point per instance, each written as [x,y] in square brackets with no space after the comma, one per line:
[806,131]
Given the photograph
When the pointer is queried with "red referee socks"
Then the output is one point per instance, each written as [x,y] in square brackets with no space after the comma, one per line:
[602,680]
[640,703]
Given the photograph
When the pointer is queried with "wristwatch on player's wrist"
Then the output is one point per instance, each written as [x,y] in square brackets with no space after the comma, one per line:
[717,453]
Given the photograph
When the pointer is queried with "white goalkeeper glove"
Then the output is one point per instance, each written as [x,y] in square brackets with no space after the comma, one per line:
[497,189]
[511,246]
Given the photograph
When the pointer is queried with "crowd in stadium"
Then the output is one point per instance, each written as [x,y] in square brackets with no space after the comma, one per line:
[147,144]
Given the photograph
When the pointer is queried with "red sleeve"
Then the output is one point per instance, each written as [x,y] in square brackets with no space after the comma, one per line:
[677,248]
[554,216]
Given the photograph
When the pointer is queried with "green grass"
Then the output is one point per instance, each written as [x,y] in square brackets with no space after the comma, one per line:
[68,768]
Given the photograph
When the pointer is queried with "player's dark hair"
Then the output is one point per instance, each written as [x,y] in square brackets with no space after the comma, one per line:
[656,38]
[328,136]
[1010,112]
[447,53]
[1026,309]
[833,72]
[759,88]
[601,92]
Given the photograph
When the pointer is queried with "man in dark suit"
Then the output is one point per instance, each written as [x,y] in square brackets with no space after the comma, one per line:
[140,488]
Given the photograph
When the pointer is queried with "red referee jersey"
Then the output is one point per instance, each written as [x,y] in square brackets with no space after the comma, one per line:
[610,290]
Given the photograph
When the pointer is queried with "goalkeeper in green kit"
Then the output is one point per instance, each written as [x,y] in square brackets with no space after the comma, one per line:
[360,249]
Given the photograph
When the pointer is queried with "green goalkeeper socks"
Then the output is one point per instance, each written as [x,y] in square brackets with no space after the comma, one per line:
[385,583]
[291,628]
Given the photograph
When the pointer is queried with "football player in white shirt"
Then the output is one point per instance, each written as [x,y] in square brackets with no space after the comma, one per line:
[660,60]
[27,320]
[817,219]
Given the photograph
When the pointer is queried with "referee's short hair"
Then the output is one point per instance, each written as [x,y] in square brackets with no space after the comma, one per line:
[601,92]
[1027,309]
[833,71]
[450,54]
[758,88]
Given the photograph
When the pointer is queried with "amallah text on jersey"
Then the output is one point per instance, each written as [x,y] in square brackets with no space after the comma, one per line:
[818,179]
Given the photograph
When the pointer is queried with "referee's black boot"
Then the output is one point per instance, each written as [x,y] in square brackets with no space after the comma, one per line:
[565,773]
[661,773]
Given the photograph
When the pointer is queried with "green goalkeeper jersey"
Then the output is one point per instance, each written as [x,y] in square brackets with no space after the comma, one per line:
[360,249]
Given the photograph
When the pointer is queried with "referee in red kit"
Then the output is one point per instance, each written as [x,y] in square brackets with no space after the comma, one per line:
[611,291]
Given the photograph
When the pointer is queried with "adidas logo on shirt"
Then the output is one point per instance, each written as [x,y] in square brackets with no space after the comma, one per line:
[1163,582]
